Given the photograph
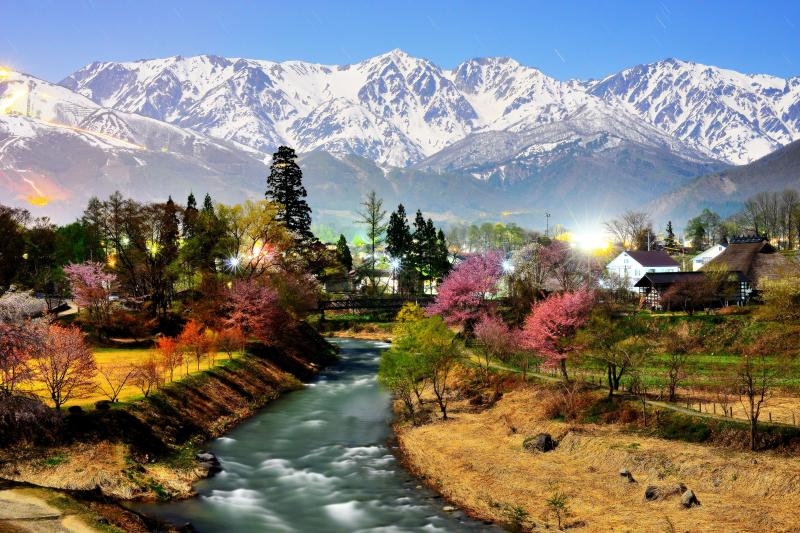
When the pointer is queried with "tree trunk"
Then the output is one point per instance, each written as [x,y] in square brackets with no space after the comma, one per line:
[610,383]
[753,431]
[563,365]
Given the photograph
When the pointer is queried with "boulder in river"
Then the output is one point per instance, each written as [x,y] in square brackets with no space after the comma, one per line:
[209,462]
[542,442]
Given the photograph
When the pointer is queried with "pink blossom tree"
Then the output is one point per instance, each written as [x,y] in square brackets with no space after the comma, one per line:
[256,309]
[553,323]
[91,288]
[465,294]
[496,341]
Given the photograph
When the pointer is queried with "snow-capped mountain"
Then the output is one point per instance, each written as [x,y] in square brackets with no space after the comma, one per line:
[734,117]
[58,148]
[394,109]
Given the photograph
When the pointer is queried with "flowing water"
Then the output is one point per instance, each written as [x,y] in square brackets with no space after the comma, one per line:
[317,460]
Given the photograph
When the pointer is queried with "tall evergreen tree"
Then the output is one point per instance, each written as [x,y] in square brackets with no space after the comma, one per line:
[670,244]
[285,187]
[190,216]
[423,248]
[398,235]
[343,253]
[442,259]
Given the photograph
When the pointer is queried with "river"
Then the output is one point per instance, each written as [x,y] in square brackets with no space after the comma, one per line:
[316,460]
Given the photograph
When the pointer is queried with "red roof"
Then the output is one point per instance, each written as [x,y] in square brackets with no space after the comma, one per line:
[657,258]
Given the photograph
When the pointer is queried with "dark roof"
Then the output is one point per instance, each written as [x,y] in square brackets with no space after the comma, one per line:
[753,259]
[656,258]
[652,279]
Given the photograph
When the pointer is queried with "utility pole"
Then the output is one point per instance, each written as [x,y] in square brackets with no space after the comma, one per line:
[547,224]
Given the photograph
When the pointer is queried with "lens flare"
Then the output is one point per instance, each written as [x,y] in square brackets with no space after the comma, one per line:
[38,199]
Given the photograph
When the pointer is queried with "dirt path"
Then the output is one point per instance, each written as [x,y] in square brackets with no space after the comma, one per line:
[22,511]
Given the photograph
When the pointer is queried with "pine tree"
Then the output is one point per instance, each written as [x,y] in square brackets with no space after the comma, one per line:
[423,247]
[190,217]
[343,252]
[398,234]
[442,261]
[670,244]
[285,187]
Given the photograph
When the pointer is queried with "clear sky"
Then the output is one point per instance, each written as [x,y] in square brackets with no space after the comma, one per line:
[590,39]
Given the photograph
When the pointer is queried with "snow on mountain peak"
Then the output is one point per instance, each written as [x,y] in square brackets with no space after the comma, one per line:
[398,108]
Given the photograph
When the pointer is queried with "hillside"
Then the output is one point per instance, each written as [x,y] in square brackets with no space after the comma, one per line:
[725,191]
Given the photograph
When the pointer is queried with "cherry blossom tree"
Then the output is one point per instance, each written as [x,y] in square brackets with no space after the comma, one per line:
[495,340]
[465,294]
[255,308]
[553,323]
[20,338]
[91,289]
[65,365]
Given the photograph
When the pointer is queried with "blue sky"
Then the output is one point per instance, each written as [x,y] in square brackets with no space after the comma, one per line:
[51,39]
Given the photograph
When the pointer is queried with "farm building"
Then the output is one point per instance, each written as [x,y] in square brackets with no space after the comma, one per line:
[630,266]
[707,255]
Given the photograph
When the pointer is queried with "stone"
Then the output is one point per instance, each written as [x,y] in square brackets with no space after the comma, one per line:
[448,508]
[688,499]
[206,457]
[542,442]
[624,472]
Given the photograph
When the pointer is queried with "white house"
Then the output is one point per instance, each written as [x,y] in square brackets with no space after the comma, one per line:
[631,266]
[704,257]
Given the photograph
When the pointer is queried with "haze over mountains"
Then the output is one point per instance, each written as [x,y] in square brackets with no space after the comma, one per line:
[490,138]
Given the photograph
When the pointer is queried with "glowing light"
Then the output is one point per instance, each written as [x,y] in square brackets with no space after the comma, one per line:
[4,73]
[124,240]
[507,266]
[394,263]
[152,247]
[112,261]
[233,263]
[588,240]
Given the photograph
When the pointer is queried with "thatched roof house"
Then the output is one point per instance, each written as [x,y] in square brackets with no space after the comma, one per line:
[748,259]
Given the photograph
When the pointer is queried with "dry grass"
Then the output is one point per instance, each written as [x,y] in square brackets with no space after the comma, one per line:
[477,461]
[125,357]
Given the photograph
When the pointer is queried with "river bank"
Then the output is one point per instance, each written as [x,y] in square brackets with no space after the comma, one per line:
[477,460]
[145,450]
[318,459]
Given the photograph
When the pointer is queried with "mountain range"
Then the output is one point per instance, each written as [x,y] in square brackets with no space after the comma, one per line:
[490,138]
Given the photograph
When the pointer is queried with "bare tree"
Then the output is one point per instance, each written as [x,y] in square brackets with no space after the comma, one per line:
[629,228]
[147,376]
[114,379]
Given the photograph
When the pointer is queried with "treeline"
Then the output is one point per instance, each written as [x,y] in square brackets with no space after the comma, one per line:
[415,256]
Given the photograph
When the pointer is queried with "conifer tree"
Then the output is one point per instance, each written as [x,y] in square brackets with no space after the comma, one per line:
[343,253]
[398,235]
[670,244]
[190,216]
[285,187]
[373,217]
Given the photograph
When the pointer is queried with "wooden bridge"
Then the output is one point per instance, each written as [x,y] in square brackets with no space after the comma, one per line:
[370,303]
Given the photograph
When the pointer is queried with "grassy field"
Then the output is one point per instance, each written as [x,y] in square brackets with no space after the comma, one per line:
[125,357]
[477,460]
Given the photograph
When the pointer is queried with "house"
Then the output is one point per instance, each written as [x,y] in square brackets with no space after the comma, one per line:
[629,266]
[704,257]
[747,260]
[653,285]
